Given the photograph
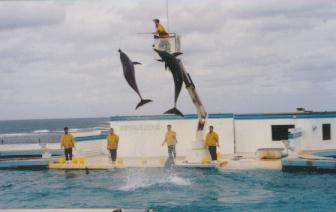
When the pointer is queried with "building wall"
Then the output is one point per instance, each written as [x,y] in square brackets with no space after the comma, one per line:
[143,138]
[312,133]
[251,134]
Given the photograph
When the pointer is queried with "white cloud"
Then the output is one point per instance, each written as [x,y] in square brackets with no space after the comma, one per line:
[14,15]
[60,59]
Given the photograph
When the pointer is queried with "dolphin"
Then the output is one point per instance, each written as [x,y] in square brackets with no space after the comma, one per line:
[174,67]
[128,69]
[170,163]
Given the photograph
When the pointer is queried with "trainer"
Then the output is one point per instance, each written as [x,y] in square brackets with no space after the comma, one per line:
[67,142]
[112,144]
[211,141]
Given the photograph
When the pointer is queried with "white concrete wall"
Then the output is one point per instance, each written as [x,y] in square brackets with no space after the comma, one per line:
[257,133]
[90,148]
[312,133]
[144,138]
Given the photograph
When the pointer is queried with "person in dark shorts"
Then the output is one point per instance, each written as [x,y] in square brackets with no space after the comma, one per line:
[211,141]
[112,144]
[170,139]
[67,142]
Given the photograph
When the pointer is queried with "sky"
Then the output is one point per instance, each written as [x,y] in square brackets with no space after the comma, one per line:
[59,59]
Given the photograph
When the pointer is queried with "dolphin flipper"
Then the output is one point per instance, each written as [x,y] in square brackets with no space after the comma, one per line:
[136,63]
[174,111]
[177,53]
[142,102]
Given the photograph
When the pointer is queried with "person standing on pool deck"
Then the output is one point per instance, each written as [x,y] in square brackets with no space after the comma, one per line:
[211,141]
[67,142]
[112,144]
[170,139]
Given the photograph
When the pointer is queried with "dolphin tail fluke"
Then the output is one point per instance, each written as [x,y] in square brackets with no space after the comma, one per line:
[174,111]
[142,102]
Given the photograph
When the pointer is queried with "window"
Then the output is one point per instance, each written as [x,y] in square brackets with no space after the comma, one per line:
[280,132]
[326,135]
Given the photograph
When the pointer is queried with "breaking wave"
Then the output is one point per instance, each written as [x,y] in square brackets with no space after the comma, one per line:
[41,131]
[14,134]
[46,131]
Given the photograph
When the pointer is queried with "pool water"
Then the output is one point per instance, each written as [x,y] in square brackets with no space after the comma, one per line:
[169,190]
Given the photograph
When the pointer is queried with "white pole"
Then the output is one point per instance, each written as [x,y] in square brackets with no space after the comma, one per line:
[167,16]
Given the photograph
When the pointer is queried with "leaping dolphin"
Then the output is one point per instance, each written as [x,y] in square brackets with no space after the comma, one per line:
[174,67]
[128,69]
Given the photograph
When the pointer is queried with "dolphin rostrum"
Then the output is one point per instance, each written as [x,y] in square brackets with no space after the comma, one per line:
[128,69]
[172,63]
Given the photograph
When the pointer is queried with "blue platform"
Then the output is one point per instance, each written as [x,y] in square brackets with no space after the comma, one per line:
[326,153]
[308,165]
[29,153]
[24,164]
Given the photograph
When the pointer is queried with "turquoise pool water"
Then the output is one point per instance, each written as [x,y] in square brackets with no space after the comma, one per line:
[163,190]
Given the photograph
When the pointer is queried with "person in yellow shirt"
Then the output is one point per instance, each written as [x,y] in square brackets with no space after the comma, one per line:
[67,142]
[170,139]
[160,30]
[112,144]
[211,141]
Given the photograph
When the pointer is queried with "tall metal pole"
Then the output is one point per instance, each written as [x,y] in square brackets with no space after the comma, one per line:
[167,16]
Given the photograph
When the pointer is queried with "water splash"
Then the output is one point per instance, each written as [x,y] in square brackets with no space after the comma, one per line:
[180,181]
[139,179]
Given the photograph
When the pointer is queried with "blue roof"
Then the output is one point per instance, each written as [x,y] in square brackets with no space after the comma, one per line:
[310,115]
[285,116]
[168,117]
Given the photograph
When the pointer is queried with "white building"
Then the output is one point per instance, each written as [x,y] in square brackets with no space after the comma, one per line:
[239,133]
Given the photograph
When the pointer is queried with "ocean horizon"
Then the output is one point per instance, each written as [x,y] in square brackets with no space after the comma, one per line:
[46,130]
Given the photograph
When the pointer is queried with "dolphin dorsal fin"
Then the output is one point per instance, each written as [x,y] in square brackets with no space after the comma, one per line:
[136,63]
[177,53]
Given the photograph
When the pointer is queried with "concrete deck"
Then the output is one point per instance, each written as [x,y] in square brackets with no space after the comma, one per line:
[245,161]
[234,162]
[102,162]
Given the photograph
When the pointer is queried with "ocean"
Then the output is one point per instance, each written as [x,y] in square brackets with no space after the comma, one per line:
[46,130]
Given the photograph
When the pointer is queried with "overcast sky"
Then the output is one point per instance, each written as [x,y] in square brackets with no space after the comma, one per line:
[59,59]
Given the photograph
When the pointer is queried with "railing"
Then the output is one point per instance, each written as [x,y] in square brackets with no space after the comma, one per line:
[30,139]
[170,35]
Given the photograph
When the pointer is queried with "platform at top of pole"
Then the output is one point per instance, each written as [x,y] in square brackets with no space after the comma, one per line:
[170,44]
